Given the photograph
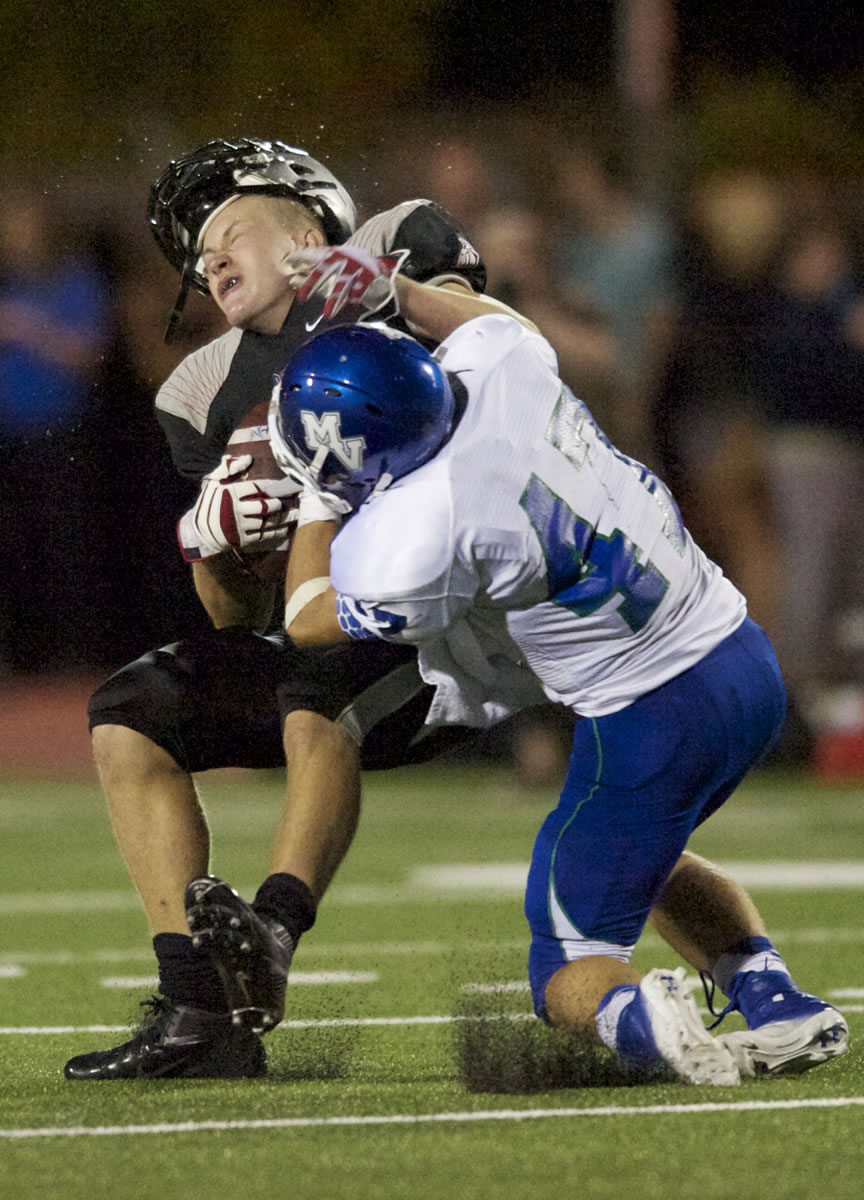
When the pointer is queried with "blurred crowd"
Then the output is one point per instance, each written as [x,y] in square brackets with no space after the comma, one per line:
[717,334]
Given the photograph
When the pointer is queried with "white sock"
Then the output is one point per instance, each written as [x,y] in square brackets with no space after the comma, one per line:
[728,965]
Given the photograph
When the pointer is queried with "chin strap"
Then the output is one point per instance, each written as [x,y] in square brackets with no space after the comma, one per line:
[179,304]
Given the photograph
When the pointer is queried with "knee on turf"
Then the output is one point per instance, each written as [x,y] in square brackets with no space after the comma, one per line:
[549,954]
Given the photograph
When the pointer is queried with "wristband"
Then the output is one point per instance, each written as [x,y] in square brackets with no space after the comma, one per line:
[320,506]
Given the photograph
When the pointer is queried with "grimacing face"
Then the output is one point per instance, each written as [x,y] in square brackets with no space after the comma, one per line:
[242,254]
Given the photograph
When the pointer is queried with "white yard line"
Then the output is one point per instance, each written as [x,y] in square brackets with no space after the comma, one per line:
[303,978]
[489,989]
[67,902]
[449,881]
[439,1118]
[510,877]
[64,958]
[341,950]
[326,1023]
[366,950]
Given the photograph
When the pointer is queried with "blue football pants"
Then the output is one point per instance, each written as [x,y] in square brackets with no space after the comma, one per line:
[639,782]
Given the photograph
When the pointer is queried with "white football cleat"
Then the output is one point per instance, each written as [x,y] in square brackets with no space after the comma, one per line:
[680,1035]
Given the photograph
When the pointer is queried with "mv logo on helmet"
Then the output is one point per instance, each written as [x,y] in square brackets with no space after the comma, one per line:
[326,432]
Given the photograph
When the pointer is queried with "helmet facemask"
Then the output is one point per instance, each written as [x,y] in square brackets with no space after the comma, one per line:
[191,189]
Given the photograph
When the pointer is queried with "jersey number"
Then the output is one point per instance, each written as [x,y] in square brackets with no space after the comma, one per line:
[587,570]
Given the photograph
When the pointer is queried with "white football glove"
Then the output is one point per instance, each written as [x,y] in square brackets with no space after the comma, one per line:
[240,514]
[347,275]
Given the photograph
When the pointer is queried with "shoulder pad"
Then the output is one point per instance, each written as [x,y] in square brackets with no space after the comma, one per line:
[371,558]
[188,391]
[436,241]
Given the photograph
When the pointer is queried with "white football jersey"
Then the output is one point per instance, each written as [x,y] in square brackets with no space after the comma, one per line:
[530,538]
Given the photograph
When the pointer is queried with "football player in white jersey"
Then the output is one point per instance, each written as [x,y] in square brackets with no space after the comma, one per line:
[493,525]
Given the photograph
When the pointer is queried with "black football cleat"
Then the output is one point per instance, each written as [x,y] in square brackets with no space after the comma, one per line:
[177,1043]
[251,953]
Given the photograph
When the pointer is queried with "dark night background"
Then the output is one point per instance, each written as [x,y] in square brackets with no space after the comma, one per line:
[497,52]
[96,101]
[114,82]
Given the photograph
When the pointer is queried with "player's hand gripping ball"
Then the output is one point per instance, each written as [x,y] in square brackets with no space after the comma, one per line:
[247,505]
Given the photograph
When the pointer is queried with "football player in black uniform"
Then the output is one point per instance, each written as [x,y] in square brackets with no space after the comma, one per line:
[228,216]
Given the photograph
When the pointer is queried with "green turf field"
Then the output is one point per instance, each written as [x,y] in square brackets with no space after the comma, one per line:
[383,1082]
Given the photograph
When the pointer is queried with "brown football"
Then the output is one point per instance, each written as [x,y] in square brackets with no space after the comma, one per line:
[252,436]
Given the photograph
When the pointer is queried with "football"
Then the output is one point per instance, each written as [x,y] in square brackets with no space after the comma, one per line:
[252,436]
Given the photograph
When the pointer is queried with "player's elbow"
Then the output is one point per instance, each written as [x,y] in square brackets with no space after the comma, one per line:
[303,632]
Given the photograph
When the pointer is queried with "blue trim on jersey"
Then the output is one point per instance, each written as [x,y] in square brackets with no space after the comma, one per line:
[360,622]
[639,782]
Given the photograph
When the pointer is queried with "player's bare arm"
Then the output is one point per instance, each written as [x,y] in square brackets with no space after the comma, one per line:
[375,288]
[232,597]
[435,312]
[310,608]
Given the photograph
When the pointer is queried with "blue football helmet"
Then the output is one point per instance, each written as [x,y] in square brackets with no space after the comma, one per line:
[358,407]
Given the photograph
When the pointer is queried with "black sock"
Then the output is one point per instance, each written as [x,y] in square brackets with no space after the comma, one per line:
[186,973]
[287,900]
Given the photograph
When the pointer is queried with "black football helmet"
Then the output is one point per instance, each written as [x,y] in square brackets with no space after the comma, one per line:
[190,189]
